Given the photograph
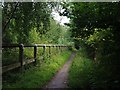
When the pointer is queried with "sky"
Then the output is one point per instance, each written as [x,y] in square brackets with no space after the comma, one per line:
[60,19]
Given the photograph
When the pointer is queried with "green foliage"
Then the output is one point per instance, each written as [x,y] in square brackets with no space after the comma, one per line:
[21,20]
[100,35]
[38,76]
[10,56]
[87,16]
[34,37]
[86,74]
[80,71]
[57,34]
[28,53]
[30,23]
[96,26]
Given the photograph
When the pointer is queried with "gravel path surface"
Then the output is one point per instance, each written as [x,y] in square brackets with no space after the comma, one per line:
[60,79]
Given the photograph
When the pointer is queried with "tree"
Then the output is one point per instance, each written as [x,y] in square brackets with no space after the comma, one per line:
[87,16]
[97,26]
[19,18]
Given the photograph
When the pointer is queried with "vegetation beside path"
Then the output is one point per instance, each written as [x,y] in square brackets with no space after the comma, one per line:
[79,73]
[87,74]
[38,76]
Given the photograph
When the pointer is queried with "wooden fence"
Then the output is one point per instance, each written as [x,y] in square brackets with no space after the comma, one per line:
[21,47]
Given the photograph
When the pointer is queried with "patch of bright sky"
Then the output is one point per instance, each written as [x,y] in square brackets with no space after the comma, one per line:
[60,19]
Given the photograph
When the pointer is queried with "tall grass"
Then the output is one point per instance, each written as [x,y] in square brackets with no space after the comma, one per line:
[80,71]
[11,56]
[86,74]
[37,77]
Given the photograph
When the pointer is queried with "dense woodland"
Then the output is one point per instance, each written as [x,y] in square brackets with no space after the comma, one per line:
[94,28]
[31,22]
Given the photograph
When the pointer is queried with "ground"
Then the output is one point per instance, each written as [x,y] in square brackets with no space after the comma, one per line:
[60,80]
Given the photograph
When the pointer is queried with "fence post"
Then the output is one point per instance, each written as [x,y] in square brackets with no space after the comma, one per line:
[44,52]
[53,49]
[53,52]
[35,53]
[49,51]
[61,48]
[21,55]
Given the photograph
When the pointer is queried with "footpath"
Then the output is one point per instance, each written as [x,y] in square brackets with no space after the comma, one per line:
[60,80]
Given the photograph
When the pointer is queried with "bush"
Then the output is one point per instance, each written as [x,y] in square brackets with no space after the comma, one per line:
[86,74]
[38,76]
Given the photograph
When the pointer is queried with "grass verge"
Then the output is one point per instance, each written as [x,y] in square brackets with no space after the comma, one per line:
[80,71]
[84,73]
[38,76]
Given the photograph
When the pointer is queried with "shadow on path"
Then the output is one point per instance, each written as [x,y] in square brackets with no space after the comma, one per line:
[60,79]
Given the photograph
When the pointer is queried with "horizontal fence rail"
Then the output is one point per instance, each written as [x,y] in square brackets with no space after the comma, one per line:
[21,53]
[38,45]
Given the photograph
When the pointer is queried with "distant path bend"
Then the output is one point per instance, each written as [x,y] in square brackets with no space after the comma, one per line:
[60,80]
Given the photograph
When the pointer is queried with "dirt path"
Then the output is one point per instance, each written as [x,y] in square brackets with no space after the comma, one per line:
[60,79]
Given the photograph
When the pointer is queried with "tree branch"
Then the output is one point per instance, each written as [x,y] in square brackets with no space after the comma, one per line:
[10,17]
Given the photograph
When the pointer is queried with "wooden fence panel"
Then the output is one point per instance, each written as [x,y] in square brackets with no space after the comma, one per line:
[51,49]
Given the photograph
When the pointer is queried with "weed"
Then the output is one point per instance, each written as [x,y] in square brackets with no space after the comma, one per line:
[86,74]
[38,76]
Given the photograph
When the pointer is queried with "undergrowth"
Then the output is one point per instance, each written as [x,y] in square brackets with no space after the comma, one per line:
[38,76]
[86,74]
[80,71]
